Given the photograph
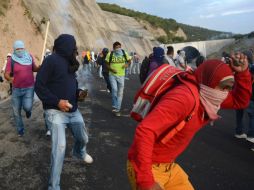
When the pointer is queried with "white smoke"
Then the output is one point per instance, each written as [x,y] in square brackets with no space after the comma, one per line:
[100,43]
[62,17]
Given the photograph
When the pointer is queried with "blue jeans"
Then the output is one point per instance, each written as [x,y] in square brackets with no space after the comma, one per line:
[57,121]
[21,98]
[117,86]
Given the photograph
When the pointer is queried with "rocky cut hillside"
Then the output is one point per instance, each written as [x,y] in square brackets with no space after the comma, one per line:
[167,30]
[14,25]
[92,27]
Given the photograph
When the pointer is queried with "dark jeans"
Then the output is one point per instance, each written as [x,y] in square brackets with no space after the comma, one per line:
[250,111]
[106,78]
[10,90]
[239,120]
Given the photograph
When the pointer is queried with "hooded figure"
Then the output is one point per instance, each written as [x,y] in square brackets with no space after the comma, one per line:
[213,74]
[157,59]
[57,88]
[65,46]
[151,161]
[158,54]
[59,68]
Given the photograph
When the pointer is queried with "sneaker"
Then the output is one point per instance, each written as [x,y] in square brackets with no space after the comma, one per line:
[241,136]
[114,110]
[250,139]
[88,159]
[118,114]
[21,133]
[48,133]
[252,148]
[28,114]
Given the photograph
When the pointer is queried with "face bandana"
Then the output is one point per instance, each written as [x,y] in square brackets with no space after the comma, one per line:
[211,99]
[118,51]
[19,53]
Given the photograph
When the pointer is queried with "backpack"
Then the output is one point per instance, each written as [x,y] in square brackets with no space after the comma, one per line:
[149,64]
[111,56]
[144,68]
[156,85]
[12,67]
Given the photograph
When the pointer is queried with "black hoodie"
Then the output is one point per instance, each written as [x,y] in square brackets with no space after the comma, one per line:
[54,81]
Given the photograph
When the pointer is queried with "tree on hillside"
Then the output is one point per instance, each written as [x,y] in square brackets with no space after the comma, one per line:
[168,25]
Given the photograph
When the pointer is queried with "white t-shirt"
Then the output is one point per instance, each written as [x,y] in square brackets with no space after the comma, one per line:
[170,60]
[180,61]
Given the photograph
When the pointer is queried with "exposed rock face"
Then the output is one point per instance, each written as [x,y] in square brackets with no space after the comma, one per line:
[157,32]
[180,33]
[92,27]
[15,26]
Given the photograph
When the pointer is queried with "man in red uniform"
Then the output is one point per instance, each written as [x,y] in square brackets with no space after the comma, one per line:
[151,163]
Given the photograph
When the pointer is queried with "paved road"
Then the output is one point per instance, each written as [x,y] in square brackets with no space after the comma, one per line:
[215,160]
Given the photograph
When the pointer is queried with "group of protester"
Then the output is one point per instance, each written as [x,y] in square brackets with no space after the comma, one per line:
[57,88]
[113,67]
[192,102]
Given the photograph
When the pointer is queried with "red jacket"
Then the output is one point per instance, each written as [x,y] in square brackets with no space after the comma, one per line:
[173,108]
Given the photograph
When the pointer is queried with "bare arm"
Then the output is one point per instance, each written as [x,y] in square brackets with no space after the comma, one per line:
[8,77]
[127,64]
[36,67]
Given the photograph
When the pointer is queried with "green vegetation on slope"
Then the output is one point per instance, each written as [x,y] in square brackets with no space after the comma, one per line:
[193,33]
[3,6]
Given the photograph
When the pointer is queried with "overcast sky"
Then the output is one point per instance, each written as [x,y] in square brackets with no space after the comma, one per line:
[235,16]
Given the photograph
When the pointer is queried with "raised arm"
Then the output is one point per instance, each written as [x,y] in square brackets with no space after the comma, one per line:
[239,97]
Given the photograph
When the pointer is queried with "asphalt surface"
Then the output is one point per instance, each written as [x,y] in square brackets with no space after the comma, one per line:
[215,160]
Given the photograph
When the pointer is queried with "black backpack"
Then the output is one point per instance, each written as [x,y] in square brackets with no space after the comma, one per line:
[144,69]
[12,67]
[111,56]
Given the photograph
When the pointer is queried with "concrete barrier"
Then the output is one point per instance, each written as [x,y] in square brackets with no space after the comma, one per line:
[204,47]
